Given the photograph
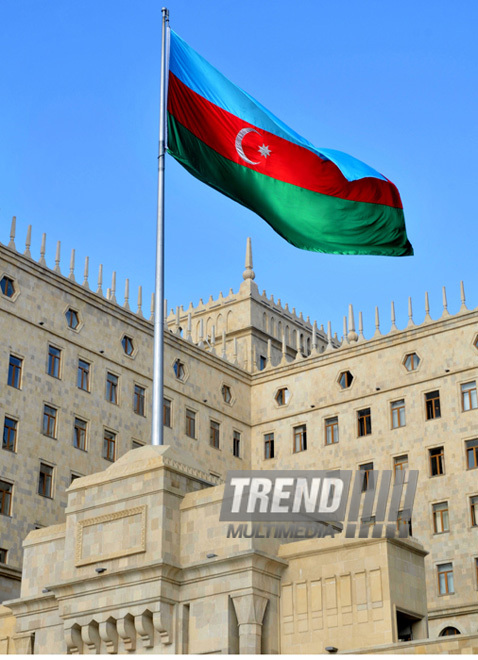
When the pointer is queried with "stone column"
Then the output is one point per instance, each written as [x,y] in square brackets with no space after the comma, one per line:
[250,609]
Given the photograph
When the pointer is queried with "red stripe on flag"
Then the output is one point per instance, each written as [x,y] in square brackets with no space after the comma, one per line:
[269,154]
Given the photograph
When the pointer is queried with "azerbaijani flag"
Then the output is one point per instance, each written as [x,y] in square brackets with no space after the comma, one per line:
[317,199]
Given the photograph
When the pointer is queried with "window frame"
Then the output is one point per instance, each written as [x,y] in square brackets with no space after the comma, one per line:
[112,388]
[6,510]
[128,345]
[139,400]
[446,574]
[53,368]
[471,450]
[438,458]
[364,420]
[332,424]
[214,433]
[80,375]
[71,313]
[413,366]
[400,410]
[15,372]
[468,394]
[366,468]
[299,438]
[432,405]
[76,435]
[10,283]
[440,515]
[236,443]
[6,431]
[190,423]
[169,409]
[474,510]
[47,492]
[107,443]
[269,446]
[46,415]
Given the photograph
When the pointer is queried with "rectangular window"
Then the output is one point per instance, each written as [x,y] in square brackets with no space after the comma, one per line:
[138,400]
[190,423]
[83,378]
[79,434]
[15,372]
[5,497]
[398,413]
[167,412]
[236,444]
[364,421]
[49,421]
[441,521]
[367,482]
[262,362]
[468,396]
[445,579]
[74,476]
[400,463]
[109,446]
[474,510]
[331,430]
[3,556]
[432,404]
[45,481]
[437,461]
[471,454]
[9,441]
[214,434]
[111,388]
[54,358]
[269,445]
[300,438]
[136,444]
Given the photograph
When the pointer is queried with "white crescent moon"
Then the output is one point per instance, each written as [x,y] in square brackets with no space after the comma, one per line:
[239,138]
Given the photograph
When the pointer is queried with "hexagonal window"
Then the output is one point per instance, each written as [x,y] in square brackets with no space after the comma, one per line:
[226,393]
[282,397]
[179,369]
[72,318]
[411,362]
[345,379]
[7,286]
[127,344]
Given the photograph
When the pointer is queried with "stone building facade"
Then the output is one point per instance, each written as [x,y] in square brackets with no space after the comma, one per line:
[249,384]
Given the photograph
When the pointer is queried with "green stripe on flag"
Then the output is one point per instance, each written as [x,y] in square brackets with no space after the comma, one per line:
[309,220]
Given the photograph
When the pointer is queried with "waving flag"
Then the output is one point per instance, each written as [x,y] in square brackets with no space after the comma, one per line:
[317,199]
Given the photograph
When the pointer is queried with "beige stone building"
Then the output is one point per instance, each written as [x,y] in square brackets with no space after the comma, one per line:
[249,384]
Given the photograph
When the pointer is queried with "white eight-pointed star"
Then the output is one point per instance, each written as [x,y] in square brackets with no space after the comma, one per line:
[264,151]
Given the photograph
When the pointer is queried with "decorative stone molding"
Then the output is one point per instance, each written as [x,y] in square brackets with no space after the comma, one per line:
[74,643]
[145,628]
[163,622]
[109,634]
[91,637]
[24,643]
[136,541]
[127,632]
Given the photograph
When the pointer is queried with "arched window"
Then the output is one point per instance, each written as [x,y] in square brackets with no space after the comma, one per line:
[264,322]
[273,327]
[448,631]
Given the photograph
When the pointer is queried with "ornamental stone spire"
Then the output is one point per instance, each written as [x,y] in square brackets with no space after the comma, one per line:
[248,274]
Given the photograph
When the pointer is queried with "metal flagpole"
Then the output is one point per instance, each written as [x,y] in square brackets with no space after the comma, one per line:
[158,355]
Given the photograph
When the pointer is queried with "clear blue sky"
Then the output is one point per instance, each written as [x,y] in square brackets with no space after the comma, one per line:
[392,83]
